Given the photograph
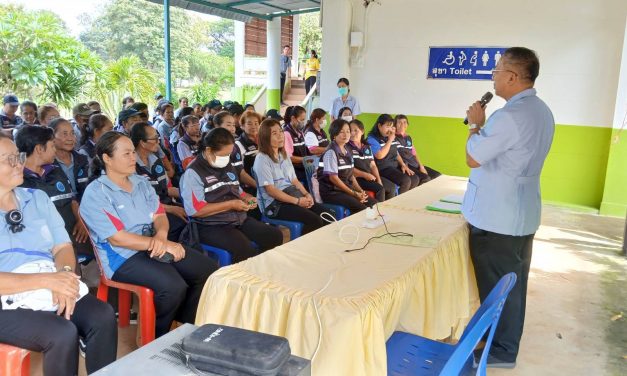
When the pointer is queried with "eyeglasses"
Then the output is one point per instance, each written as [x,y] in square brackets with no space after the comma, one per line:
[156,138]
[13,159]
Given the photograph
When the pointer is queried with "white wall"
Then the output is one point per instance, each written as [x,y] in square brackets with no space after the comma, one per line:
[620,112]
[579,43]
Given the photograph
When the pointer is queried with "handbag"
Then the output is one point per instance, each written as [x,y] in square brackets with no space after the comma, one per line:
[272,210]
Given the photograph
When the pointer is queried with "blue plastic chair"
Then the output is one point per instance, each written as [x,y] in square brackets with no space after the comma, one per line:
[224,257]
[409,354]
[296,228]
[311,163]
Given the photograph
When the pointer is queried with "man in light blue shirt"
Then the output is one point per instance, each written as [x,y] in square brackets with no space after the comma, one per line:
[502,202]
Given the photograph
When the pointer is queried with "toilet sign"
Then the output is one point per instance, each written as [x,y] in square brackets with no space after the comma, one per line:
[463,63]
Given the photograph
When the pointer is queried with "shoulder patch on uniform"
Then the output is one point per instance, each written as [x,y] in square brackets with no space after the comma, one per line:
[231,176]
[60,187]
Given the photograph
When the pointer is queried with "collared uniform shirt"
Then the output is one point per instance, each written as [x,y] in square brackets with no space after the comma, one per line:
[338,104]
[107,209]
[43,230]
[269,172]
[503,195]
[8,123]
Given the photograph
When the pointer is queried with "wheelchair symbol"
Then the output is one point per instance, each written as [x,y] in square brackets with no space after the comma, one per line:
[450,59]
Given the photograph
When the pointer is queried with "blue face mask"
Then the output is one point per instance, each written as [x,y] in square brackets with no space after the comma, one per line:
[343,91]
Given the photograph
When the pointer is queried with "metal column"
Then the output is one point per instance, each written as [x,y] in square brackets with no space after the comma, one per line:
[166,47]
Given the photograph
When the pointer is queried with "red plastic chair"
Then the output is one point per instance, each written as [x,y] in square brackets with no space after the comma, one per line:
[14,361]
[147,315]
[370,194]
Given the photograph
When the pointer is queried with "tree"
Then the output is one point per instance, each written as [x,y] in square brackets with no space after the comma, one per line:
[310,34]
[39,59]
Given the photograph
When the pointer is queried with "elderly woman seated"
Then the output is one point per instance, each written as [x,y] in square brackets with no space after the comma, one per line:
[44,305]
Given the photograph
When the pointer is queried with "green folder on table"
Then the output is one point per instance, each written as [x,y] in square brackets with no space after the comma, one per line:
[454,199]
[445,207]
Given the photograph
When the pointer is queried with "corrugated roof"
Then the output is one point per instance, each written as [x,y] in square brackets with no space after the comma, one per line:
[244,10]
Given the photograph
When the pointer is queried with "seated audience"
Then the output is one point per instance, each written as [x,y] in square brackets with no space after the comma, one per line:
[40,172]
[315,136]
[214,200]
[384,146]
[407,151]
[295,139]
[129,227]
[40,310]
[365,169]
[279,190]
[98,125]
[337,183]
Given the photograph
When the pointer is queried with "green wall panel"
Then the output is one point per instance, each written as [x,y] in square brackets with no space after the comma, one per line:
[615,192]
[574,172]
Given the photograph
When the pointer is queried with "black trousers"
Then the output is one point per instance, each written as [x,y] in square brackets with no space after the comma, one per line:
[310,218]
[177,286]
[430,175]
[494,255]
[309,83]
[396,176]
[381,192]
[57,338]
[346,200]
[177,224]
[237,239]
[283,75]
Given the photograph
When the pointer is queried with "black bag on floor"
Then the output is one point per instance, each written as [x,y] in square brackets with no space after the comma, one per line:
[234,352]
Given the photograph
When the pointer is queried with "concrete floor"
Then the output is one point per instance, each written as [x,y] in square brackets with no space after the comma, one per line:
[576,296]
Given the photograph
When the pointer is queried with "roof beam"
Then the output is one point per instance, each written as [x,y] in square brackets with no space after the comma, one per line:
[244,2]
[274,6]
[291,13]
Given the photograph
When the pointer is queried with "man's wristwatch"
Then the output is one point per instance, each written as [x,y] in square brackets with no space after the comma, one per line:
[473,126]
[67,268]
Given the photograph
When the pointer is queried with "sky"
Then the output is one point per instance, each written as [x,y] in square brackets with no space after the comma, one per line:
[70,10]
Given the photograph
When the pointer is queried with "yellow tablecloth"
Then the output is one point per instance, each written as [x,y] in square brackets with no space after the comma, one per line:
[367,294]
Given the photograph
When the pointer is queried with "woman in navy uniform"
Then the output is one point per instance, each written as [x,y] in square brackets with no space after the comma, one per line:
[365,169]
[149,165]
[315,137]
[224,119]
[214,200]
[74,165]
[295,139]
[382,140]
[129,227]
[247,145]
[98,125]
[407,151]
[337,183]
[40,172]
[34,238]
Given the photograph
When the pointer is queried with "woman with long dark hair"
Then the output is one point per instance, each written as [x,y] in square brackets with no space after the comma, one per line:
[295,139]
[315,137]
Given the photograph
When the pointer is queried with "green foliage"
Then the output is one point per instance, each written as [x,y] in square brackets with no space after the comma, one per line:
[203,93]
[125,76]
[39,59]
[310,34]
[205,66]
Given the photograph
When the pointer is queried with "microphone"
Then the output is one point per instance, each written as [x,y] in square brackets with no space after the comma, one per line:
[487,97]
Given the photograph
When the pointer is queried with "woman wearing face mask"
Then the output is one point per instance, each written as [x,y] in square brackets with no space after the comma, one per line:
[382,140]
[345,113]
[214,200]
[365,169]
[311,72]
[344,100]
[315,137]
[295,139]
[224,119]
[335,172]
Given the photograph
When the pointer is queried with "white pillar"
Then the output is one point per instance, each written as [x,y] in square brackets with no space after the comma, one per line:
[336,16]
[240,46]
[295,42]
[273,59]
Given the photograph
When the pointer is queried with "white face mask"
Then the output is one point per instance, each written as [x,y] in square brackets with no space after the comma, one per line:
[323,123]
[347,118]
[221,161]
